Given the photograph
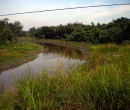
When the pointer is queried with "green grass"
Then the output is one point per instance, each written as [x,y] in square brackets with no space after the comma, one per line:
[18,53]
[27,47]
[102,83]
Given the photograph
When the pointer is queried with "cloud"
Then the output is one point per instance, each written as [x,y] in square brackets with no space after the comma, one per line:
[86,16]
[99,2]
[91,14]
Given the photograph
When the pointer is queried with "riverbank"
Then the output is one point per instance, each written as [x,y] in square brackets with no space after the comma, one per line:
[71,44]
[27,48]
[17,54]
[102,83]
[82,46]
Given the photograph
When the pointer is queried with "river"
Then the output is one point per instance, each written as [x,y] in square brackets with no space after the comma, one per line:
[56,57]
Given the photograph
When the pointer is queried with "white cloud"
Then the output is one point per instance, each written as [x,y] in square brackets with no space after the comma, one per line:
[73,5]
[91,14]
[99,2]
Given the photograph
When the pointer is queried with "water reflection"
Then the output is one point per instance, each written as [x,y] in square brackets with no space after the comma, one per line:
[65,51]
[56,57]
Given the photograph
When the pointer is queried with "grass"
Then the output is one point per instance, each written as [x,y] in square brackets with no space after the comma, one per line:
[16,54]
[102,83]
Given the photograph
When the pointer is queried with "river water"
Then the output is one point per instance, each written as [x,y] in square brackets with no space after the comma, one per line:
[56,57]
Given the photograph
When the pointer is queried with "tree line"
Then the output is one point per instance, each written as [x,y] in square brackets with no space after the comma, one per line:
[117,31]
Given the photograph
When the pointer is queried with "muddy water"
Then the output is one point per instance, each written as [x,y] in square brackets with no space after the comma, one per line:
[56,57]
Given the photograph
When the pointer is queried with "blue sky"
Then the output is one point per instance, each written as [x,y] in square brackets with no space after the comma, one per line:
[86,16]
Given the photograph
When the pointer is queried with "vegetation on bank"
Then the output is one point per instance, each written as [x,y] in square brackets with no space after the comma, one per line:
[102,83]
[18,53]
[116,31]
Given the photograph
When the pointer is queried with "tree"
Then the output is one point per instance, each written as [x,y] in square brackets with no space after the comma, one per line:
[9,31]
[32,31]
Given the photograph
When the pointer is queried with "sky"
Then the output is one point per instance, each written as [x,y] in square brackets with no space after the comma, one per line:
[86,16]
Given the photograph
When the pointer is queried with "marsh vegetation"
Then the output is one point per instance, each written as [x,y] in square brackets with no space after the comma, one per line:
[103,82]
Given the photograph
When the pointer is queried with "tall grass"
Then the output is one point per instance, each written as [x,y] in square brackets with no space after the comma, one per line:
[102,83]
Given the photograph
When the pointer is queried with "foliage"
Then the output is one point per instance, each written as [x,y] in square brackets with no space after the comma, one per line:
[116,31]
[9,31]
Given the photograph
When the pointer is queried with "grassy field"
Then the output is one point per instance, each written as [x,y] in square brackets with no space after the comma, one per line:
[102,83]
[16,54]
